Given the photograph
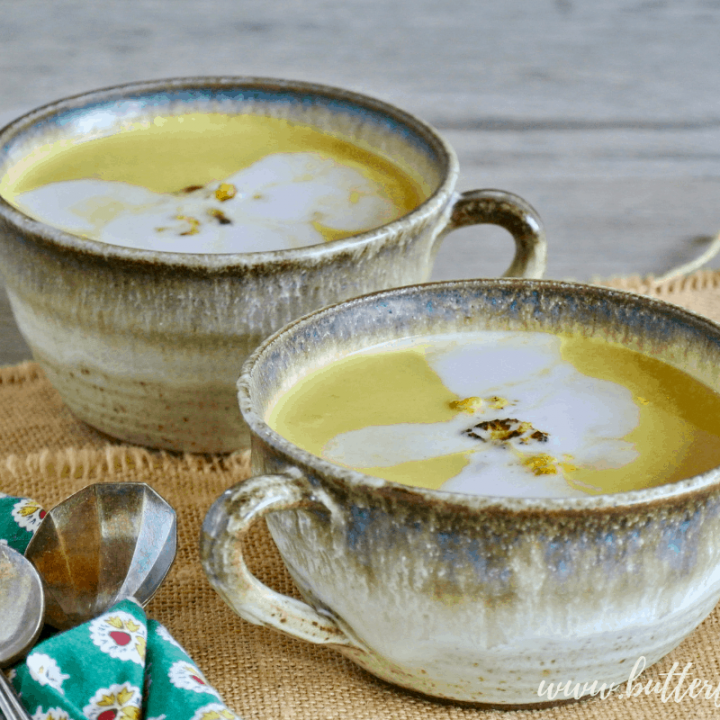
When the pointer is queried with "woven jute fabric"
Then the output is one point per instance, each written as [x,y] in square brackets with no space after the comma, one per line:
[47,454]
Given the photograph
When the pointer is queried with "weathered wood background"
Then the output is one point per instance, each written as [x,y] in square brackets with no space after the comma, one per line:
[604,115]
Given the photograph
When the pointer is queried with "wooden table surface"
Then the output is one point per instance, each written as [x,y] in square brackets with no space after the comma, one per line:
[605,116]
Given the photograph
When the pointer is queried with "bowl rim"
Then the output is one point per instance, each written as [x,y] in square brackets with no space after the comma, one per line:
[446,157]
[698,485]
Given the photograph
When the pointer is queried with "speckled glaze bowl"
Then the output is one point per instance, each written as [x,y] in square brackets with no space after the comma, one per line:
[147,346]
[464,597]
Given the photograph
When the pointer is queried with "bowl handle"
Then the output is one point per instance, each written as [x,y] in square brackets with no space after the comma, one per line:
[509,211]
[224,529]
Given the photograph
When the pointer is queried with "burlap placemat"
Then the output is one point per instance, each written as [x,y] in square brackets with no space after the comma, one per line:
[47,454]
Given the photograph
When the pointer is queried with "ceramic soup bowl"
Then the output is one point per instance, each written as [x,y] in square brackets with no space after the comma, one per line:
[147,345]
[472,598]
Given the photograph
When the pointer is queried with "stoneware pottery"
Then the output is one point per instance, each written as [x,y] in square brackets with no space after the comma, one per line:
[146,345]
[465,597]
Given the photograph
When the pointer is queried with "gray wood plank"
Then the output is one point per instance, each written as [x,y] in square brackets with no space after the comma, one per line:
[605,116]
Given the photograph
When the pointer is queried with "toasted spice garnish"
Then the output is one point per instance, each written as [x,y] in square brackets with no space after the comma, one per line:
[539,435]
[501,430]
[545,464]
[225,191]
[191,188]
[498,403]
[194,223]
[475,404]
[220,216]
[468,405]
[540,464]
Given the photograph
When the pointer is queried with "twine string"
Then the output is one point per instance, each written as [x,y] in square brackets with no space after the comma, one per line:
[686,268]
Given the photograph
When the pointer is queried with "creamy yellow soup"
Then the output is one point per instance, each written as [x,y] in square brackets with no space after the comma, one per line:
[506,414]
[212,183]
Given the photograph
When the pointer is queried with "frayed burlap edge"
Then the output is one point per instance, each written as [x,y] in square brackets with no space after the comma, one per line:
[24,372]
[89,463]
[648,285]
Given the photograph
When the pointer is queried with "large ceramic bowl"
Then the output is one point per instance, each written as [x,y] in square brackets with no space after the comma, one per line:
[466,597]
[146,345]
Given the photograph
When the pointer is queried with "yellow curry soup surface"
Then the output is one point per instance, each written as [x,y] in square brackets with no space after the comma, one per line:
[192,151]
[673,420]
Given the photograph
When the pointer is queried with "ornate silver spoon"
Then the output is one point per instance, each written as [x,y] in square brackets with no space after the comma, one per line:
[104,544]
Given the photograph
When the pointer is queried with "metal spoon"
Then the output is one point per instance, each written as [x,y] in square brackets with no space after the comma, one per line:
[107,543]
[22,607]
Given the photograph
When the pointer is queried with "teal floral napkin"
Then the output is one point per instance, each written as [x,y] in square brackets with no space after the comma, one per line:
[118,666]
[19,519]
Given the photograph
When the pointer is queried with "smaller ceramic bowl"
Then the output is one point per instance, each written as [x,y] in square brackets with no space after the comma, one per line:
[466,597]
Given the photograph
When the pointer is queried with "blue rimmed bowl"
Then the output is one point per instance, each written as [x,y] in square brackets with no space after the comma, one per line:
[463,597]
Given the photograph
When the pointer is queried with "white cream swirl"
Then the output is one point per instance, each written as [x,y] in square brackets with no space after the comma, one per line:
[515,378]
[279,202]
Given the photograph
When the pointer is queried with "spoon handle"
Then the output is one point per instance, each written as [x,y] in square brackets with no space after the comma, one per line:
[10,706]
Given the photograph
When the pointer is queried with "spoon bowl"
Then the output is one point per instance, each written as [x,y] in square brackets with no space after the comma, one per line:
[107,543]
[22,608]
